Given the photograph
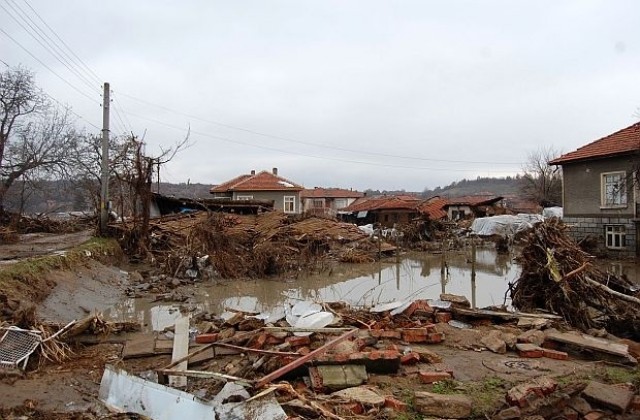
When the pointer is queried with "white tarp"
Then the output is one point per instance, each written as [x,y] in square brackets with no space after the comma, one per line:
[549,212]
[124,392]
[505,225]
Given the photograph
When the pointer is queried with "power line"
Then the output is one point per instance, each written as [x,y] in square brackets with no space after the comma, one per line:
[377,164]
[95,76]
[361,152]
[40,39]
[46,66]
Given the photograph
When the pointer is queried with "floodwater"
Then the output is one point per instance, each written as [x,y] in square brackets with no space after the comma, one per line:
[416,276]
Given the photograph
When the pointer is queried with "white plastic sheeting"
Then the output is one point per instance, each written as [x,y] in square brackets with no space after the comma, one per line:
[550,212]
[128,393]
[504,225]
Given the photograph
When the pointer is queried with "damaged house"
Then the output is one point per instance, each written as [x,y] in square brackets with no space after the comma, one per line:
[327,201]
[600,191]
[263,186]
[473,206]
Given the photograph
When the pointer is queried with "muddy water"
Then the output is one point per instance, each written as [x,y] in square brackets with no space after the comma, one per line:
[418,276]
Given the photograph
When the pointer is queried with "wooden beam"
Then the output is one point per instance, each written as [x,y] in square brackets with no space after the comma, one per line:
[302,360]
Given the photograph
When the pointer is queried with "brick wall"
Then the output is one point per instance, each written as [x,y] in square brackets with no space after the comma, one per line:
[580,227]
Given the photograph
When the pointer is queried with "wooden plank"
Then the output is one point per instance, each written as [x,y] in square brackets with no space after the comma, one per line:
[299,362]
[497,314]
[206,375]
[317,330]
[180,351]
[139,346]
[588,342]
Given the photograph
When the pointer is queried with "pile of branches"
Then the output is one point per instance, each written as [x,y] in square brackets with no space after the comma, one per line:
[558,276]
[13,223]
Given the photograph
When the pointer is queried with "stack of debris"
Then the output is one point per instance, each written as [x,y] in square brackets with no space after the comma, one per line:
[231,246]
[561,278]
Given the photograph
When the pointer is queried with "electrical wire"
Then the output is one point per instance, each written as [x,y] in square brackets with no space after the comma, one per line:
[360,152]
[239,142]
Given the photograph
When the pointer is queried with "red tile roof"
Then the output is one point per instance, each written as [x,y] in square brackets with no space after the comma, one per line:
[383,202]
[434,208]
[262,181]
[330,193]
[473,200]
[624,141]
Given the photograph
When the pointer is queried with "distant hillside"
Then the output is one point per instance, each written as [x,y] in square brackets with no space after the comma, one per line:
[508,186]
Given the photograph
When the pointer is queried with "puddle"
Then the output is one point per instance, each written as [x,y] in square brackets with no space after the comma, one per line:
[414,277]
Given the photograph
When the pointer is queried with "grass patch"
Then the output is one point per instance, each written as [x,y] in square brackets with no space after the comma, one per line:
[447,386]
[27,279]
[487,395]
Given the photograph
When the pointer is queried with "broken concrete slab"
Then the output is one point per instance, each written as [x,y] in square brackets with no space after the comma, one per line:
[443,406]
[337,377]
[532,336]
[610,396]
[363,395]
[524,394]
[580,344]
[494,342]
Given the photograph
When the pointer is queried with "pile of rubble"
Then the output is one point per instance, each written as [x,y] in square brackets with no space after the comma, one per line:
[561,278]
[231,246]
[326,361]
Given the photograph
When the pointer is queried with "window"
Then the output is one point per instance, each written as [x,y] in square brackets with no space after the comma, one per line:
[615,236]
[289,204]
[244,197]
[614,190]
[340,203]
[318,203]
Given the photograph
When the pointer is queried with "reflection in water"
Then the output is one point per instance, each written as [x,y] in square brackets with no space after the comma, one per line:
[414,277]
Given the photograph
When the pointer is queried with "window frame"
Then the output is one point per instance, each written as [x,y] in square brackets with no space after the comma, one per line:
[613,231]
[289,199]
[244,197]
[621,195]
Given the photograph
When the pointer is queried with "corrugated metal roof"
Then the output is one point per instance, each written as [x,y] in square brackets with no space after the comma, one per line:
[623,141]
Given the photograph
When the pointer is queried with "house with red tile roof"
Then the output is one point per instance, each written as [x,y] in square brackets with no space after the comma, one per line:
[389,210]
[263,186]
[472,206]
[600,192]
[327,201]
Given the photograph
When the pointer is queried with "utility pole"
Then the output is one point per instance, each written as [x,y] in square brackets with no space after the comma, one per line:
[104,178]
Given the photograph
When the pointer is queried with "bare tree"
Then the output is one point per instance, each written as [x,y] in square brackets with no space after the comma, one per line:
[34,135]
[542,182]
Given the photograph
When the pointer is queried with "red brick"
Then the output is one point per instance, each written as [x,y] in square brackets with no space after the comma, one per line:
[271,340]
[523,395]
[410,358]
[303,350]
[392,347]
[634,407]
[428,377]
[206,338]
[411,309]
[554,354]
[395,404]
[443,317]
[549,344]
[299,341]
[393,334]
[529,350]
[258,342]
[415,335]
[422,308]
[435,338]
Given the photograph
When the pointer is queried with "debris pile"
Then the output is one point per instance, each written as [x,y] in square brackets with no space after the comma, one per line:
[232,246]
[11,223]
[561,278]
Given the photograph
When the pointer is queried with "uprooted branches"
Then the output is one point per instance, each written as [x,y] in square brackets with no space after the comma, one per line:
[560,277]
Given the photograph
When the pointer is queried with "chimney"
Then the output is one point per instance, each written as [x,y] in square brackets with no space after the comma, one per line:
[253,172]
[275,171]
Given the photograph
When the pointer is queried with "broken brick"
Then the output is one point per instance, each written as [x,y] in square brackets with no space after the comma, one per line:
[393,334]
[350,409]
[415,335]
[303,350]
[429,377]
[523,395]
[529,350]
[554,354]
[206,338]
[594,415]
[296,341]
[395,404]
[410,358]
[435,338]
[258,342]
[443,317]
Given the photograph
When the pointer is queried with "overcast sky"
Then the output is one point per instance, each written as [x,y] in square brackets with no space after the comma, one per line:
[353,94]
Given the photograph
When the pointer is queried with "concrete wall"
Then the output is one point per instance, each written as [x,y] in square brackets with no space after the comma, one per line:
[582,188]
[276,196]
[581,227]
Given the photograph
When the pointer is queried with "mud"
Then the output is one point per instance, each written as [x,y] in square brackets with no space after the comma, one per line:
[36,244]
